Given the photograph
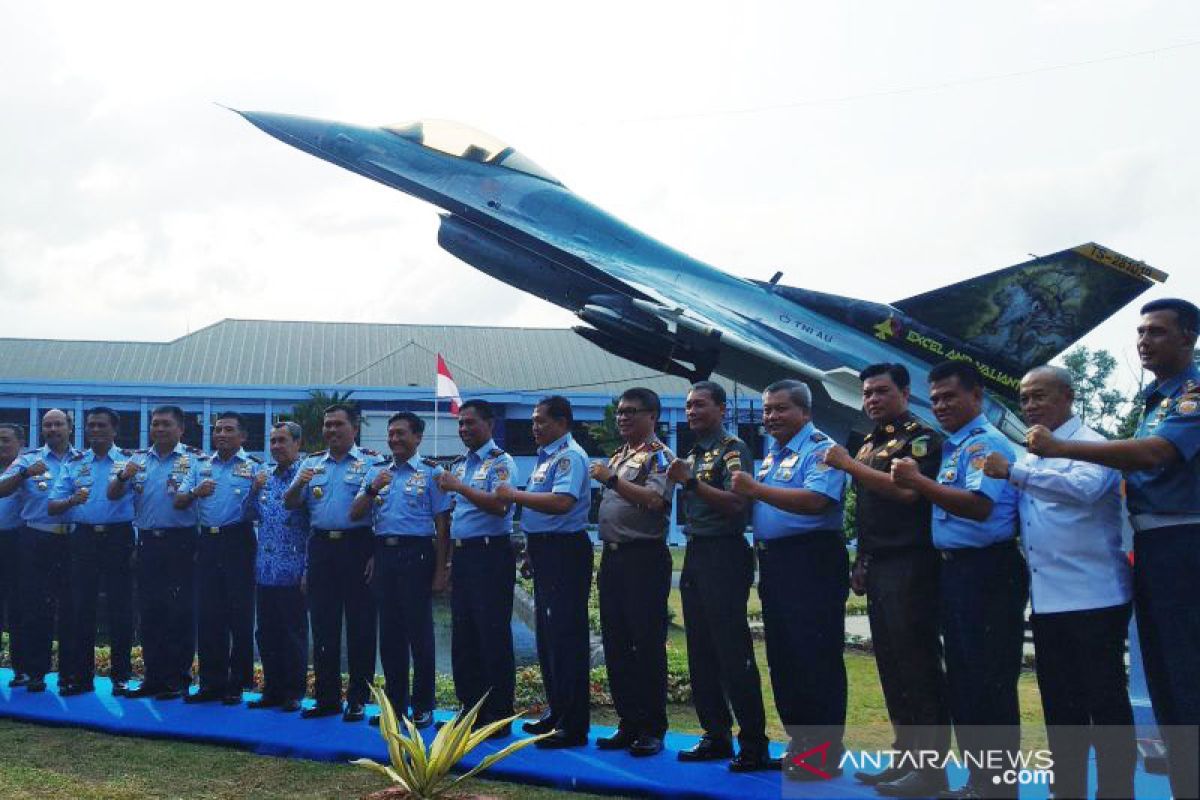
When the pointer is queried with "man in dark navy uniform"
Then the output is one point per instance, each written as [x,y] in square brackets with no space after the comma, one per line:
[718,571]
[1162,479]
[898,569]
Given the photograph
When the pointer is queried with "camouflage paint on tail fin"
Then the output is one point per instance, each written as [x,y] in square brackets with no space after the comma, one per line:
[1027,314]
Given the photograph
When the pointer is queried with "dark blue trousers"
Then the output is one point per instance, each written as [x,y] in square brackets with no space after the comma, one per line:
[101,559]
[481,607]
[337,586]
[282,641]
[45,599]
[1166,596]
[804,581]
[225,608]
[402,586]
[166,571]
[983,595]
[562,581]
[10,597]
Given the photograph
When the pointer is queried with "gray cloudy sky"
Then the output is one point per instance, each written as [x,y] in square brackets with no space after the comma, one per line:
[870,149]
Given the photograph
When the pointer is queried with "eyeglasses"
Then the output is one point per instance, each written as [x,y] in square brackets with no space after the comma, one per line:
[626,411]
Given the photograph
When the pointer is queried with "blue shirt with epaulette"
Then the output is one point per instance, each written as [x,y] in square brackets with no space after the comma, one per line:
[484,469]
[562,468]
[155,485]
[35,490]
[800,464]
[963,456]
[232,501]
[407,505]
[282,532]
[334,486]
[1171,410]
[92,472]
[10,508]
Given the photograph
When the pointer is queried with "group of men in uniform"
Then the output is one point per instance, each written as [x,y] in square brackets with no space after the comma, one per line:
[956,534]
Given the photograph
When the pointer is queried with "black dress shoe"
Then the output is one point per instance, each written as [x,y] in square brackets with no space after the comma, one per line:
[876,778]
[753,759]
[72,689]
[561,740]
[709,748]
[792,770]
[621,740]
[171,693]
[320,711]
[145,690]
[374,719]
[543,725]
[232,699]
[266,701]
[422,720]
[120,688]
[646,745]
[35,685]
[914,783]
[502,732]
[200,696]
[967,792]
[20,679]
[290,706]
[355,712]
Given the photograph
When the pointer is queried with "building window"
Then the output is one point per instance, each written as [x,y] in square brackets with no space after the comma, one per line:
[518,437]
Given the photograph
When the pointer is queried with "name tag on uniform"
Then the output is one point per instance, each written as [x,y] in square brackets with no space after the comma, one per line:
[790,461]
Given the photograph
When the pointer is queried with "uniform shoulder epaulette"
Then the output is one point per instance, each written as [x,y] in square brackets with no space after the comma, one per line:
[495,452]
[317,454]
[430,461]
[126,453]
[255,459]
[912,425]
[656,445]
[366,451]
[977,431]
[141,451]
[76,457]
[205,456]
[818,437]
[458,459]
[195,451]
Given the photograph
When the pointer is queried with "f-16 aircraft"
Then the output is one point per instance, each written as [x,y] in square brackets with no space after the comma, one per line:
[647,302]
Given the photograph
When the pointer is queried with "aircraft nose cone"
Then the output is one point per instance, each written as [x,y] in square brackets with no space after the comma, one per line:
[305,133]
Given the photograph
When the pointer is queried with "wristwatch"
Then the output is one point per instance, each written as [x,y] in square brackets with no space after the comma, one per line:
[23,471]
[611,483]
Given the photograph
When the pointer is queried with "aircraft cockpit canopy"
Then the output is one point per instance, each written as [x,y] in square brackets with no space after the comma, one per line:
[463,141]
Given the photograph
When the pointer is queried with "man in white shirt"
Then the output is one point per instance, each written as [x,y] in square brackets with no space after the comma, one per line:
[1080,590]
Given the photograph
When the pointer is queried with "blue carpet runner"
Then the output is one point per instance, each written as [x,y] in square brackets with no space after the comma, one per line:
[274,733]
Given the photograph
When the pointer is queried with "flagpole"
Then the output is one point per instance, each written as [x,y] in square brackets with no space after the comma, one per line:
[436,443]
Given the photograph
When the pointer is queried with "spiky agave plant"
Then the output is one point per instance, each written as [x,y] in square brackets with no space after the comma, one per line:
[424,773]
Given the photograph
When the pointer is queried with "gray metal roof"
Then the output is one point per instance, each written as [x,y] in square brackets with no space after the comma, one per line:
[240,352]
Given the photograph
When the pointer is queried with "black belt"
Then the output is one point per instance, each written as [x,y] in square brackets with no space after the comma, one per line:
[159,533]
[108,527]
[501,539]
[403,541]
[716,539]
[637,544]
[237,527]
[785,542]
[544,536]
[335,536]
[967,552]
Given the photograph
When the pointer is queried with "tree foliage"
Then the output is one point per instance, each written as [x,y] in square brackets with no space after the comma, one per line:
[1096,404]
[310,415]
[605,433]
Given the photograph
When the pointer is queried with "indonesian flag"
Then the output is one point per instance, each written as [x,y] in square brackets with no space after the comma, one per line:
[446,387]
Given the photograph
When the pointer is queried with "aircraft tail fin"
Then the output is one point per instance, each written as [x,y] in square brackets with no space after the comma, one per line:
[1026,314]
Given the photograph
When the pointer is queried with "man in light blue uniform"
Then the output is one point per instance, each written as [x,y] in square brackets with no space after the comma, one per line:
[12,439]
[407,508]
[804,579]
[556,502]
[166,554]
[484,568]
[984,579]
[225,488]
[43,547]
[1162,479]
[101,547]
[279,566]
[338,555]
